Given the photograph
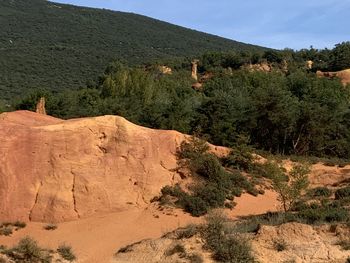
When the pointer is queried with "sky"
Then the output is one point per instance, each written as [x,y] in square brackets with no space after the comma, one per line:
[276,24]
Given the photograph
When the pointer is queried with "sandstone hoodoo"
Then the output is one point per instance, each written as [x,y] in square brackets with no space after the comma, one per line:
[58,170]
[40,106]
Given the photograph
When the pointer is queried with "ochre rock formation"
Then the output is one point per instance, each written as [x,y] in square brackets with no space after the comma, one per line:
[54,170]
[263,66]
[197,86]
[309,64]
[40,106]
[343,75]
[195,69]
[165,70]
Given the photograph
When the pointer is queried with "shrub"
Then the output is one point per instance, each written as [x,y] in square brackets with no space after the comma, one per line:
[289,188]
[50,226]
[225,248]
[251,225]
[20,224]
[233,250]
[211,195]
[66,252]
[6,231]
[342,193]
[177,249]
[279,245]
[187,232]
[344,243]
[28,250]
[215,186]
[195,258]
[207,166]
[320,192]
[194,205]
[324,214]
[193,148]
[240,156]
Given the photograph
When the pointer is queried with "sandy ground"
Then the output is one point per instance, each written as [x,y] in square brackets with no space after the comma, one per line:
[96,239]
[250,205]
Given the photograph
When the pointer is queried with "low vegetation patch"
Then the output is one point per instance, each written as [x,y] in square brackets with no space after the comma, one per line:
[6,231]
[28,251]
[344,243]
[280,245]
[187,232]
[225,244]
[66,252]
[342,193]
[176,249]
[214,184]
[320,192]
[7,228]
[50,227]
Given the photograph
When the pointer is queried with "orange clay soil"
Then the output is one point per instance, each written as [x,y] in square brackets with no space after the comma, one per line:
[97,238]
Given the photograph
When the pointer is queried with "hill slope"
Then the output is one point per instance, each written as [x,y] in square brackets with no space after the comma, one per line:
[56,46]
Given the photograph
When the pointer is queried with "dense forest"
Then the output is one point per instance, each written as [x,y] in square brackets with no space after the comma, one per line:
[55,46]
[288,110]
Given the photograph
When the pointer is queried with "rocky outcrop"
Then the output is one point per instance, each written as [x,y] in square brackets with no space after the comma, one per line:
[309,64]
[55,170]
[40,106]
[300,243]
[263,66]
[165,70]
[194,71]
[343,75]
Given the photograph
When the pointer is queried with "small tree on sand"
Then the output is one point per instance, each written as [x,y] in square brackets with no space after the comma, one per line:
[290,186]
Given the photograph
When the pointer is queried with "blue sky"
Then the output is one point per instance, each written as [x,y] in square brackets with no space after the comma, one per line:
[272,23]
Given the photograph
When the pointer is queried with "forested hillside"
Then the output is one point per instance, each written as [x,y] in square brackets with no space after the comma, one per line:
[55,46]
[286,110]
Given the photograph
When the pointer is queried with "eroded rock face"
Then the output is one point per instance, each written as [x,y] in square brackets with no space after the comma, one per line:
[194,72]
[343,75]
[302,244]
[54,170]
[40,106]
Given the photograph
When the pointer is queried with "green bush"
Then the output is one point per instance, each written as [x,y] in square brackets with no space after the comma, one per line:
[194,205]
[240,156]
[6,231]
[176,249]
[211,194]
[232,248]
[28,250]
[214,185]
[327,214]
[248,226]
[342,193]
[187,232]
[320,192]
[66,252]
[279,245]
[50,226]
[19,224]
